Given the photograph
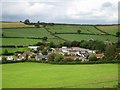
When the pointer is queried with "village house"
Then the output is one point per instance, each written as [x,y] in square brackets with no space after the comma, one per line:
[20,57]
[33,47]
[76,51]
[0,58]
[10,58]
[99,55]
[28,53]
[41,57]
[73,53]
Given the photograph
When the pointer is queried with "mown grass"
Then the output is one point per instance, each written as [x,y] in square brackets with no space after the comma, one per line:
[13,25]
[38,75]
[80,37]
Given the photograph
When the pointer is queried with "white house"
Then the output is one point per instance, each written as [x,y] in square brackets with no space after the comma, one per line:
[0,58]
[33,47]
[10,58]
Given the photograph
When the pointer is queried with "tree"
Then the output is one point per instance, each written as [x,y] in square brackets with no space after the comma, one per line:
[110,52]
[6,52]
[67,43]
[40,48]
[117,34]
[100,45]
[44,38]
[44,52]
[38,22]
[66,54]
[27,21]
[118,43]
[52,45]
[39,43]
[58,58]
[4,60]
[75,43]
[51,57]
[2,34]
[92,57]
[48,48]
[78,31]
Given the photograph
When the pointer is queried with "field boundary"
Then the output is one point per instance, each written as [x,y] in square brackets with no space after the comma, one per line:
[23,37]
[54,35]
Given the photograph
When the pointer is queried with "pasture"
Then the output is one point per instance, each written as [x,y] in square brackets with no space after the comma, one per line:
[26,32]
[73,29]
[80,37]
[39,75]
[109,29]
[19,41]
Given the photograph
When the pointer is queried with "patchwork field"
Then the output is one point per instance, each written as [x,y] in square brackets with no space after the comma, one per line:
[19,36]
[39,75]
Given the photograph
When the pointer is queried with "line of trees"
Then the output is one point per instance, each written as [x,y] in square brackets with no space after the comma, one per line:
[37,25]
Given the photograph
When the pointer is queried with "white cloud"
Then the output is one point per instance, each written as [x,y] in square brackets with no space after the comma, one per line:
[66,11]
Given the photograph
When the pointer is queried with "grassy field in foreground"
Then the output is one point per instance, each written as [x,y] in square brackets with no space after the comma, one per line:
[38,75]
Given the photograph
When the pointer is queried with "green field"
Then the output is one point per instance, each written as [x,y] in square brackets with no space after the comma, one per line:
[26,32]
[73,29]
[80,37]
[13,50]
[109,29]
[38,75]
[19,41]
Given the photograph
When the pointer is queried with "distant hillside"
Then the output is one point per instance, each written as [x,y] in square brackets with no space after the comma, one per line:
[14,25]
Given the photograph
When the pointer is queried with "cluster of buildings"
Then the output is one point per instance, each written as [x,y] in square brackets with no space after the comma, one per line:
[68,53]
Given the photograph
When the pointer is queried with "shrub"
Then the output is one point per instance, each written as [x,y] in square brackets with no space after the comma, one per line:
[92,57]
[58,58]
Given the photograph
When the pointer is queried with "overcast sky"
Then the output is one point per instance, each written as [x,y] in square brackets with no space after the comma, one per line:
[61,11]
